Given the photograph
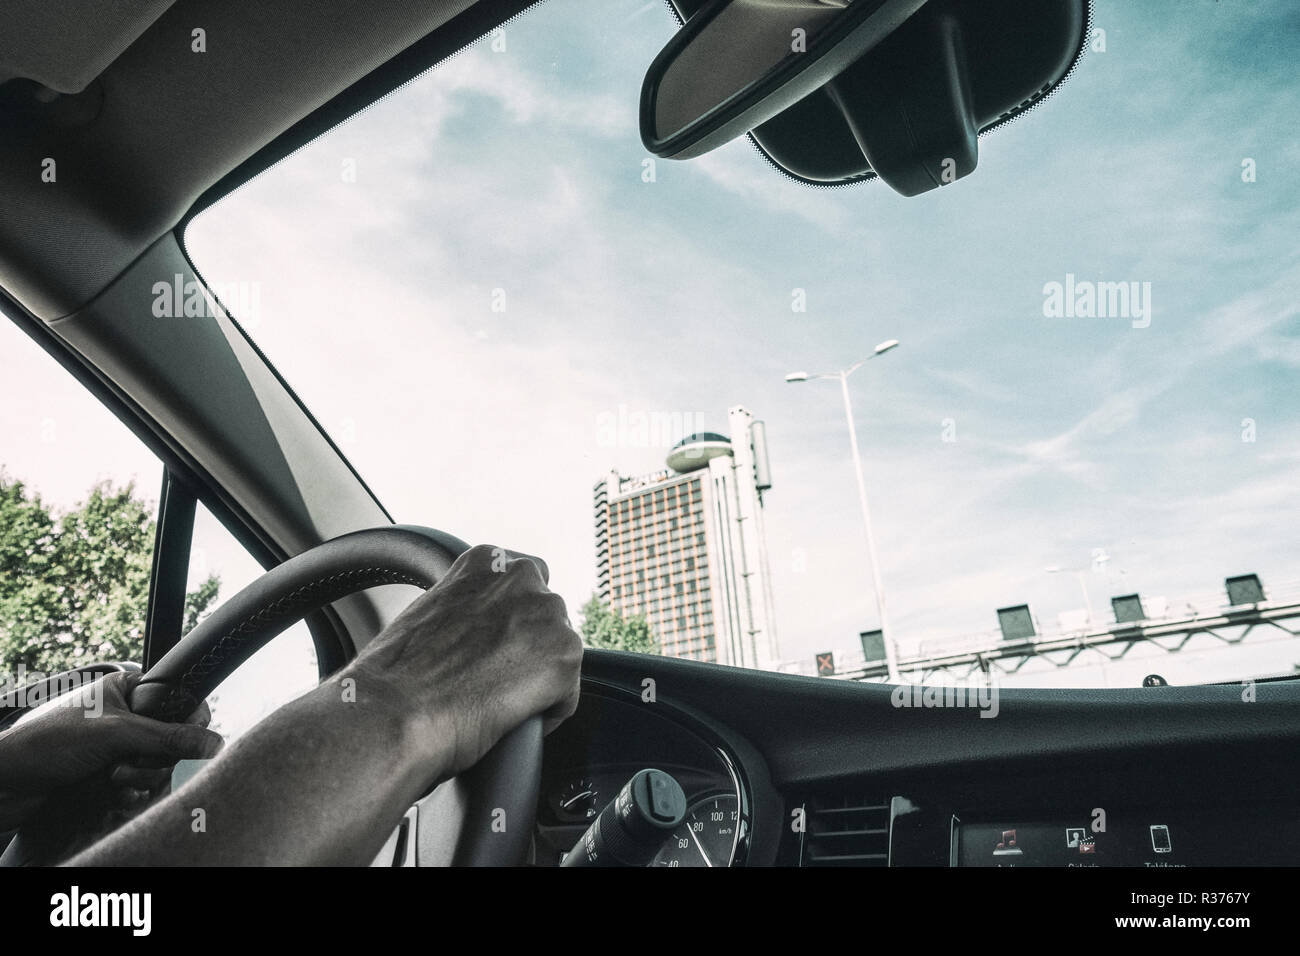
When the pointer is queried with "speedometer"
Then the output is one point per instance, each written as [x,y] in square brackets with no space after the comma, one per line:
[707,837]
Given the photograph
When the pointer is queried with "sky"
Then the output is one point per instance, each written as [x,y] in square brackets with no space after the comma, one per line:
[465,280]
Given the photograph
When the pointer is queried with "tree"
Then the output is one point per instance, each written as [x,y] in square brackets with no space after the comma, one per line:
[602,627]
[74,588]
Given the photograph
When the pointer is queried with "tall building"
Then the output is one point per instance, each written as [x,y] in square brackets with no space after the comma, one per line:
[686,547]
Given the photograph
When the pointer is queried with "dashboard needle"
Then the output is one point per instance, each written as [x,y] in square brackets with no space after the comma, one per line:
[691,831]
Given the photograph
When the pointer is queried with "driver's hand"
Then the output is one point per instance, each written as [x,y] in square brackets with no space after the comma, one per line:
[476,655]
[72,743]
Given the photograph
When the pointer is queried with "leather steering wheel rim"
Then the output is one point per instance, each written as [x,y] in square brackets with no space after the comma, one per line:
[504,785]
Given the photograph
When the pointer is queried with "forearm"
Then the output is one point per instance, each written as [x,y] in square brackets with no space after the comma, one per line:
[16,807]
[319,782]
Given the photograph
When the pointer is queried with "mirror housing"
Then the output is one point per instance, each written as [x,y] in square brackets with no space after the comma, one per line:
[910,109]
[737,63]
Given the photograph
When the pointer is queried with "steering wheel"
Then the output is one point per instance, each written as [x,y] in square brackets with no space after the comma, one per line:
[454,823]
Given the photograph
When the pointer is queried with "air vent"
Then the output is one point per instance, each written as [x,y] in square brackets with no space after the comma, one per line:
[846,830]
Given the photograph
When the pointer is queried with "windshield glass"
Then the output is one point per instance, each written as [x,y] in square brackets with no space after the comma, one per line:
[509,317]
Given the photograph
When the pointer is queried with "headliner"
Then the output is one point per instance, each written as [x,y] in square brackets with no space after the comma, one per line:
[144,131]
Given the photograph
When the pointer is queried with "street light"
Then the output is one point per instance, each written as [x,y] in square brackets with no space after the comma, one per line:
[1083,585]
[891,652]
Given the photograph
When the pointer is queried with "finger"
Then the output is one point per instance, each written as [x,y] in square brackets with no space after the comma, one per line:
[543,571]
[503,559]
[543,617]
[141,778]
[123,680]
[202,715]
[143,737]
[117,687]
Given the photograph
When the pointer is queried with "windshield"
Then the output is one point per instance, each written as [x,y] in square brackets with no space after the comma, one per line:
[522,329]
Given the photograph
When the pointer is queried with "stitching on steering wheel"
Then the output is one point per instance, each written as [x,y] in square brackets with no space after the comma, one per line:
[183,699]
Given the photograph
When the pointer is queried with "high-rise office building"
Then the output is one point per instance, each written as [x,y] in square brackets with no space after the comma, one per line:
[685,547]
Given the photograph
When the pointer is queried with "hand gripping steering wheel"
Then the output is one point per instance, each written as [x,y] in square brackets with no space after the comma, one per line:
[503,785]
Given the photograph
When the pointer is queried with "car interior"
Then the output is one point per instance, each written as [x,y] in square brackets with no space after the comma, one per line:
[118,129]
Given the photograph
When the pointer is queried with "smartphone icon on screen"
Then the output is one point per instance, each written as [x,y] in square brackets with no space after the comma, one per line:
[1160,838]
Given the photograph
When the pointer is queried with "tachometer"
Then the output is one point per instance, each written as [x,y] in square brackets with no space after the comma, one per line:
[707,837]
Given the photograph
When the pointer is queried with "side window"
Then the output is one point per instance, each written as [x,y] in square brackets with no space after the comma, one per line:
[78,505]
[286,668]
[78,512]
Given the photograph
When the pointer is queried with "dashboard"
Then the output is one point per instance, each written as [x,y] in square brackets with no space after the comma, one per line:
[844,780]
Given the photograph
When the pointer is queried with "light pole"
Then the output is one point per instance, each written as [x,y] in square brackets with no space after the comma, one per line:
[1083,586]
[887,635]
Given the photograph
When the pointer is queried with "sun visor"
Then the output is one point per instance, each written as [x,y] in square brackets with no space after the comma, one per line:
[65,44]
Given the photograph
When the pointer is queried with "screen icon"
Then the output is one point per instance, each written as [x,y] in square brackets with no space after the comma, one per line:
[1007,846]
[1160,838]
[1074,836]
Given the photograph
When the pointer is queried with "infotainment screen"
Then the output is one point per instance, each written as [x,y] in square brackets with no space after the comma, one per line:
[1233,837]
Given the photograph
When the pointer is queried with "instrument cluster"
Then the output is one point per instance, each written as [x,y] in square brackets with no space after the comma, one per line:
[596,752]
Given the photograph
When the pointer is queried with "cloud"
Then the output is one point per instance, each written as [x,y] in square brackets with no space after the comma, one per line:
[522,172]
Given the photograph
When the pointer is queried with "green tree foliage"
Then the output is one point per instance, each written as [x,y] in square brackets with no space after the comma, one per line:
[602,627]
[74,587]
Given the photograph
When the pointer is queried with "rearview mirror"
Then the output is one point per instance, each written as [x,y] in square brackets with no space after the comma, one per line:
[737,63]
[839,91]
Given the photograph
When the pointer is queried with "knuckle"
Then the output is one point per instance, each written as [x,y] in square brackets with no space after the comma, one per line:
[473,562]
[539,606]
[477,560]
[477,553]
[573,645]
[567,657]
[523,571]
[553,604]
